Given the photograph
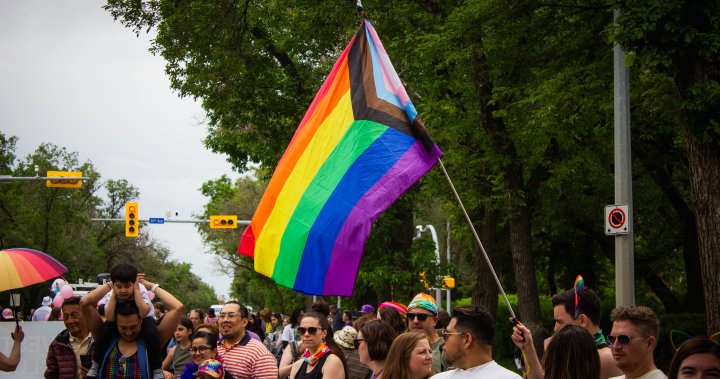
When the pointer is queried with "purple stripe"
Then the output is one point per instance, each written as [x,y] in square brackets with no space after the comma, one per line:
[350,243]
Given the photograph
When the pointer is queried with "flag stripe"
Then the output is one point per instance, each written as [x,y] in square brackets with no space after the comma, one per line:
[346,254]
[359,137]
[328,134]
[361,176]
[329,95]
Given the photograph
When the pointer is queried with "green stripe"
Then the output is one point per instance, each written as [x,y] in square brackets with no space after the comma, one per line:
[359,136]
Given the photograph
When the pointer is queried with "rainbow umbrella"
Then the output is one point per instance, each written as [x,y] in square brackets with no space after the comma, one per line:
[21,267]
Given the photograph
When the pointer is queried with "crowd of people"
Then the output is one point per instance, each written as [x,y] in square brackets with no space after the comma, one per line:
[143,331]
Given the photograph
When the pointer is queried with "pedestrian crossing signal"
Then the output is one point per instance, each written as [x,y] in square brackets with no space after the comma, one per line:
[132,224]
[223,222]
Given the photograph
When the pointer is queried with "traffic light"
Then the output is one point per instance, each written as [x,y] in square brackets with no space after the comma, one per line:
[64,183]
[132,225]
[223,222]
[448,282]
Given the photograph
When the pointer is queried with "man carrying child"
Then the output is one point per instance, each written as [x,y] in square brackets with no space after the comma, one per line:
[129,343]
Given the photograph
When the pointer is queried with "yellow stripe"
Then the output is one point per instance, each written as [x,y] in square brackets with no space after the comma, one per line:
[327,136]
[9,278]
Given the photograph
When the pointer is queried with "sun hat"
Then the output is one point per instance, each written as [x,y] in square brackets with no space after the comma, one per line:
[402,309]
[46,301]
[211,367]
[424,301]
[367,308]
[345,337]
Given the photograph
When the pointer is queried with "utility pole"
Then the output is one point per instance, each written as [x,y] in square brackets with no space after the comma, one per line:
[624,243]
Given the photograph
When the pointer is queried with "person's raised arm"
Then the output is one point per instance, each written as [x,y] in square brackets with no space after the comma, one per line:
[110,307]
[10,362]
[522,338]
[174,307]
[88,308]
[141,303]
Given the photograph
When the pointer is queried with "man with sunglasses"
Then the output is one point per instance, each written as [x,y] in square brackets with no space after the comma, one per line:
[422,315]
[633,339]
[468,346]
[244,357]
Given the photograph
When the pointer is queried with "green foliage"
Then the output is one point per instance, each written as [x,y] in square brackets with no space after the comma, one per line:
[539,74]
[57,221]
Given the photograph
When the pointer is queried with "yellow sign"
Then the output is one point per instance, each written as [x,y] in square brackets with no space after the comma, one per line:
[132,226]
[448,282]
[64,183]
[223,222]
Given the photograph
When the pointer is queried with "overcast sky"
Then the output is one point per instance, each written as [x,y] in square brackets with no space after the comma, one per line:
[71,76]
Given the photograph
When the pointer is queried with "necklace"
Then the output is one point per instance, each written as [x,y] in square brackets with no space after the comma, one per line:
[314,358]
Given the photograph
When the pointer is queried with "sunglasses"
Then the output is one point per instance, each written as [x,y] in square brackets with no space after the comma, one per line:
[357,342]
[312,330]
[420,316]
[623,340]
[121,367]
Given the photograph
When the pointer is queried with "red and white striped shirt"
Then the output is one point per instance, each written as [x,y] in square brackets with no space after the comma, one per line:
[248,359]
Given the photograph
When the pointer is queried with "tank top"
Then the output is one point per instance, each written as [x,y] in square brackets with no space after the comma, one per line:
[316,372]
[181,357]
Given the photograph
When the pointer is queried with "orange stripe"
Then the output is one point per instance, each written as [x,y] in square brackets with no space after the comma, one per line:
[25,269]
[336,85]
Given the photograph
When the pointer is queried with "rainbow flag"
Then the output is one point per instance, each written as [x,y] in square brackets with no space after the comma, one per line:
[359,147]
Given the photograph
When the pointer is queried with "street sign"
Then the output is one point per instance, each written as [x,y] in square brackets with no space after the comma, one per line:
[616,219]
[64,183]
[157,220]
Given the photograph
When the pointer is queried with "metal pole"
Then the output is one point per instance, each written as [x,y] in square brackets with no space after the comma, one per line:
[433,233]
[167,221]
[447,250]
[624,248]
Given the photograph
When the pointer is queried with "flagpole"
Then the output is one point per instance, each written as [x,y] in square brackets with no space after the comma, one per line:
[477,239]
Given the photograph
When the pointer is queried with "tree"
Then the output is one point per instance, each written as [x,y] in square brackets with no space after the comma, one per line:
[57,222]
[681,39]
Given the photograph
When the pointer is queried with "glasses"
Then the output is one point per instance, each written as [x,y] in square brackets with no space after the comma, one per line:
[445,334]
[312,330]
[229,315]
[199,349]
[121,367]
[623,340]
[357,342]
[420,316]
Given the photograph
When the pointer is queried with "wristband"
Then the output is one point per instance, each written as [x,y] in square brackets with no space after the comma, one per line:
[152,289]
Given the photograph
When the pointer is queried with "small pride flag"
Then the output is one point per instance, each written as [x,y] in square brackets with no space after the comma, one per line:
[359,147]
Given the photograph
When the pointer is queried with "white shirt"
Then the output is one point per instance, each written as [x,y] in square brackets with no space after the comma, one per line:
[490,370]
[288,333]
[42,313]
[654,374]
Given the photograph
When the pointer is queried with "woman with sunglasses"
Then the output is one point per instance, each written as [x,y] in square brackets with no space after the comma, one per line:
[373,344]
[322,357]
[697,358]
[410,357]
[204,347]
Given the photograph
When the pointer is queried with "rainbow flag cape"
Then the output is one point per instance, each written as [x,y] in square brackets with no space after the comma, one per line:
[358,148]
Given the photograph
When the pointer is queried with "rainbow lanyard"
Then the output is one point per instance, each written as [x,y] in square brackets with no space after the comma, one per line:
[312,359]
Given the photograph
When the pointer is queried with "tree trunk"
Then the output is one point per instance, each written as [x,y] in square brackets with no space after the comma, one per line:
[486,290]
[517,207]
[704,163]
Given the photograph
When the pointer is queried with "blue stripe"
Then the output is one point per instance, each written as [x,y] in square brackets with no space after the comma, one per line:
[359,178]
